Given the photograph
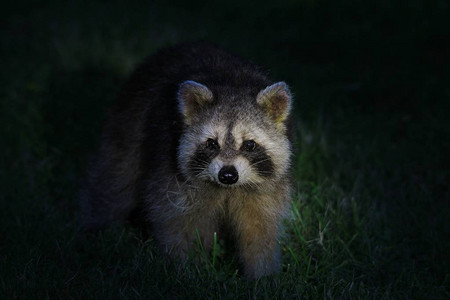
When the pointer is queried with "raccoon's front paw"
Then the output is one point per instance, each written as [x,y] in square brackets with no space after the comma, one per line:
[261,265]
[178,251]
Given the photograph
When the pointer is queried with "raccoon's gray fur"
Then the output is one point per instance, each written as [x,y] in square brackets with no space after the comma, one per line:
[197,140]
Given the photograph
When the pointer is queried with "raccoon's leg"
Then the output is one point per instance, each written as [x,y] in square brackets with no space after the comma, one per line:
[257,221]
[178,234]
[180,215]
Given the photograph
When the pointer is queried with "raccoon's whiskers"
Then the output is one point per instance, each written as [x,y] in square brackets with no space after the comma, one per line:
[250,185]
[202,176]
[200,166]
[176,202]
[183,184]
[198,161]
[179,197]
[254,164]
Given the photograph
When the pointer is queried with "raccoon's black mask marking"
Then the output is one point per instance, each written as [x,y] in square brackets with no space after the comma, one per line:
[202,158]
[259,160]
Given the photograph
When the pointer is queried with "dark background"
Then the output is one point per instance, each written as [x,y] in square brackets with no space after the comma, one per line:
[372,98]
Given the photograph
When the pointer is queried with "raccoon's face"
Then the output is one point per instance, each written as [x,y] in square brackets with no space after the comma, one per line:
[231,145]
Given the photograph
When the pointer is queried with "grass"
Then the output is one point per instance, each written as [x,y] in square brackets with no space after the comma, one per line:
[371,203]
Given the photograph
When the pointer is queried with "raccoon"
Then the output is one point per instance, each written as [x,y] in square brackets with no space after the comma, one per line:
[197,142]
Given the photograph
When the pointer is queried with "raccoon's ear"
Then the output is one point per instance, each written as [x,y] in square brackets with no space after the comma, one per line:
[276,101]
[191,96]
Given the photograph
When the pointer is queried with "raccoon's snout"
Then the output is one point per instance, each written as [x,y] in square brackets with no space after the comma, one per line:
[228,175]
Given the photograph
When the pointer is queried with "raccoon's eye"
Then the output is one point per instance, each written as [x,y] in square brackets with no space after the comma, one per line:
[248,145]
[212,144]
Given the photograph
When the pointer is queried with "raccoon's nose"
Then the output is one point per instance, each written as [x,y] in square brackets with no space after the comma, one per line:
[228,175]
